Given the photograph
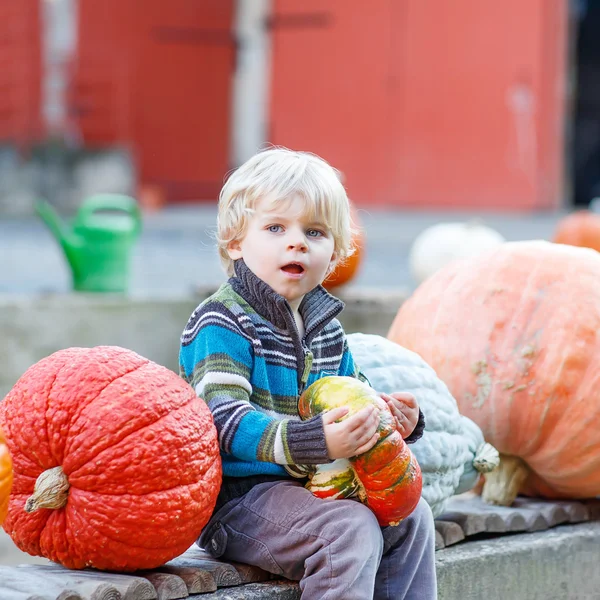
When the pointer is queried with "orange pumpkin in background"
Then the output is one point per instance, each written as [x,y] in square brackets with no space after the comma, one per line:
[580,228]
[514,334]
[6,475]
[346,271]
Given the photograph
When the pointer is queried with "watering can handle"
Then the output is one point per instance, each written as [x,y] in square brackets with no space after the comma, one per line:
[118,202]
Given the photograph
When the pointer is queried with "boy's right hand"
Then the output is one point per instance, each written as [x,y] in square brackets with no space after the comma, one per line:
[353,435]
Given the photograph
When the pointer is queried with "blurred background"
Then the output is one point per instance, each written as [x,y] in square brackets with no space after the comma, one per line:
[434,111]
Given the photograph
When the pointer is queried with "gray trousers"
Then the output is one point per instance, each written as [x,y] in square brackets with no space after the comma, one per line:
[334,548]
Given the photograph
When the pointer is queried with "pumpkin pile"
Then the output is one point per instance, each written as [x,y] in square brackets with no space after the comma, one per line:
[514,335]
[452,452]
[6,476]
[387,478]
[116,460]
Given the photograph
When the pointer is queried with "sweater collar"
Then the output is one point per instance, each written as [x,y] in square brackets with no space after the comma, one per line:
[317,308]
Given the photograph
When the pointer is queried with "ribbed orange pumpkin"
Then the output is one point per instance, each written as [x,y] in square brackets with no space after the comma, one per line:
[130,449]
[347,270]
[6,476]
[514,335]
[387,477]
[581,228]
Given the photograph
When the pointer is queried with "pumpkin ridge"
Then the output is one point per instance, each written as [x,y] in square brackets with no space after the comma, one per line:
[5,423]
[75,473]
[115,440]
[79,408]
[163,545]
[75,512]
[57,461]
[215,459]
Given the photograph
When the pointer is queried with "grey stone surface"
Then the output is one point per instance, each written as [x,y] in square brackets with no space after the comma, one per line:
[34,326]
[557,564]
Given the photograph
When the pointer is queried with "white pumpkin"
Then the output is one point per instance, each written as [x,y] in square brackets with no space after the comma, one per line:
[452,451]
[443,243]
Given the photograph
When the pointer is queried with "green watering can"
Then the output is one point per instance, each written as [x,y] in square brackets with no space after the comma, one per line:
[98,244]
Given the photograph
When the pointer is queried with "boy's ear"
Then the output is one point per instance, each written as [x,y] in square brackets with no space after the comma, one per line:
[332,263]
[234,249]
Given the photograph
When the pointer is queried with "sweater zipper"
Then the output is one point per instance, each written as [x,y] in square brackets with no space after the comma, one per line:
[308,361]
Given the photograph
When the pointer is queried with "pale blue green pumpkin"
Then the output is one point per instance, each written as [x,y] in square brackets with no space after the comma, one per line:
[452,452]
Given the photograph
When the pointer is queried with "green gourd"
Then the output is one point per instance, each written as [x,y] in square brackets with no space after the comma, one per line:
[452,452]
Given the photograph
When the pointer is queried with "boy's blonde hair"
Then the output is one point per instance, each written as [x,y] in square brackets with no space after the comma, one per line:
[279,174]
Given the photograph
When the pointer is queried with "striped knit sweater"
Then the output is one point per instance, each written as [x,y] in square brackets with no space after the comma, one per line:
[242,353]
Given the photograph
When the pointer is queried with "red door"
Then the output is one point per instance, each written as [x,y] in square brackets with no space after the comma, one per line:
[20,71]
[426,104]
[156,76]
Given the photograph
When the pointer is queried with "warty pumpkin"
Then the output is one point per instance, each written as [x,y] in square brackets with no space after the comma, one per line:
[514,335]
[6,476]
[452,452]
[387,478]
[116,460]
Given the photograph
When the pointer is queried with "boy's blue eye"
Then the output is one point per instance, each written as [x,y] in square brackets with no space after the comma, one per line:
[314,233]
[274,228]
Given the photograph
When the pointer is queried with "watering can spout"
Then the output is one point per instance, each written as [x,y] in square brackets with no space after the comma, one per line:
[63,235]
[55,224]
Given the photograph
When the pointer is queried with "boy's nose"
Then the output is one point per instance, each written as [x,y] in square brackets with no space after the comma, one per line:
[298,244]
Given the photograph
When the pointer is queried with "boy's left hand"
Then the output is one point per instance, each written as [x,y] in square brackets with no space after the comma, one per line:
[405,410]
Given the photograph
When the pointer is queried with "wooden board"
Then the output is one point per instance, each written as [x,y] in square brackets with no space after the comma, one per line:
[196,572]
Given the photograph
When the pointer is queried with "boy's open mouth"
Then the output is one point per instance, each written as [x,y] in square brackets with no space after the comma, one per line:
[294,268]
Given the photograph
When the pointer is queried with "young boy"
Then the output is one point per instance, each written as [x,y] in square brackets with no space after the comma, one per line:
[250,350]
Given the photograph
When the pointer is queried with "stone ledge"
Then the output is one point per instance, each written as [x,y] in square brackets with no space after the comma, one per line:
[34,326]
[560,563]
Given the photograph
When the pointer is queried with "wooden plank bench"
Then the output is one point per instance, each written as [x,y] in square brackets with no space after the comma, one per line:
[195,574]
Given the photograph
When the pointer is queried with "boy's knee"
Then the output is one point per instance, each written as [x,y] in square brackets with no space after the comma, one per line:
[357,526]
[418,527]
[422,516]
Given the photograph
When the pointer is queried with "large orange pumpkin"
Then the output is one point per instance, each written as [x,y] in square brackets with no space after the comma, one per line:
[6,476]
[387,478]
[515,335]
[580,228]
[122,454]
[346,271]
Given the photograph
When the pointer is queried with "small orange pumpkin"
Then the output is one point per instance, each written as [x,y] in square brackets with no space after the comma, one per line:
[6,475]
[387,478]
[346,271]
[580,228]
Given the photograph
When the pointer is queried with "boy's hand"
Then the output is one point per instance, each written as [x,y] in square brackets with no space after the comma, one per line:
[405,410]
[353,435]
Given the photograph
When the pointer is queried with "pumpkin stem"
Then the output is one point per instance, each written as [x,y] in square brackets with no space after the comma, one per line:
[502,485]
[487,458]
[51,490]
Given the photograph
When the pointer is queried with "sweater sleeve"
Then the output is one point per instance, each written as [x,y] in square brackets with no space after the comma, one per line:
[217,362]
